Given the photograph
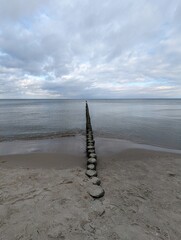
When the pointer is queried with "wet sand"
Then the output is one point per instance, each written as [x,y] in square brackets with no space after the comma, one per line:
[66,152]
[50,201]
[43,161]
[62,153]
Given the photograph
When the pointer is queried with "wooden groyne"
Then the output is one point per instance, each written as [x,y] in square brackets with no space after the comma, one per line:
[95,189]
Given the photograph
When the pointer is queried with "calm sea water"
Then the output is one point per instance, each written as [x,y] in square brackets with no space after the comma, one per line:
[153,122]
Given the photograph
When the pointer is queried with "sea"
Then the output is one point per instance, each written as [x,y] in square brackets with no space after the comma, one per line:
[155,122]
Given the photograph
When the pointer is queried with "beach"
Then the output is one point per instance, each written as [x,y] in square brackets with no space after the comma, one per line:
[90,120]
[49,200]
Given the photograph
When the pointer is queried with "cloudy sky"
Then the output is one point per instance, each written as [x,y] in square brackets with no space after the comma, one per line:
[90,48]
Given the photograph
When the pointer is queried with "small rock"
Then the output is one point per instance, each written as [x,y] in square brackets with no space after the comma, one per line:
[91,161]
[96,191]
[171,174]
[91,166]
[178,197]
[91,173]
[95,181]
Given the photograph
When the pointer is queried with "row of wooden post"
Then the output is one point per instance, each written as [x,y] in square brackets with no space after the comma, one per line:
[96,191]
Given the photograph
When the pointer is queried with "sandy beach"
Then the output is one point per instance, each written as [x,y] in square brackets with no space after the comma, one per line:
[44,195]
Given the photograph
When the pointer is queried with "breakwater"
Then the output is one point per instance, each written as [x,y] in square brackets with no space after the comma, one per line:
[95,189]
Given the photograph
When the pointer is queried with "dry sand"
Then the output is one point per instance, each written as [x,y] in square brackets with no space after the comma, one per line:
[142,196]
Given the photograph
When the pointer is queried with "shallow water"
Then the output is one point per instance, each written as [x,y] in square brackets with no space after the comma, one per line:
[152,122]
[40,118]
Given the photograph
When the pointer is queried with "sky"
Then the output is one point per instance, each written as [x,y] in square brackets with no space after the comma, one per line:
[90,49]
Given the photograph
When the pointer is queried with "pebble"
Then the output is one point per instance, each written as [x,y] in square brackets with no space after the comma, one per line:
[171,174]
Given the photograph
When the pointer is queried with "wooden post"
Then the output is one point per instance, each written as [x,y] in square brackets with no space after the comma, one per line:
[96,190]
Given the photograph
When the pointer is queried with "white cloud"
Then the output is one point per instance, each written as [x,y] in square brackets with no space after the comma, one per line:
[90,48]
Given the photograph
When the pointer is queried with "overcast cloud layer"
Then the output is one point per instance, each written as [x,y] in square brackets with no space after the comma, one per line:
[90,49]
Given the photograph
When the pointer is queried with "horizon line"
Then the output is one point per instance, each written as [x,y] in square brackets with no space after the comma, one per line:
[151,98]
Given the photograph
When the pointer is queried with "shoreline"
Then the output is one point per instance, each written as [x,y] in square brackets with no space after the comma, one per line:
[115,145]
[69,136]
[67,152]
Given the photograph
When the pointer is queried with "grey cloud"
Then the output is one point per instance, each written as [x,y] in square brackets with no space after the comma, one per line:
[90,48]
[16,9]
